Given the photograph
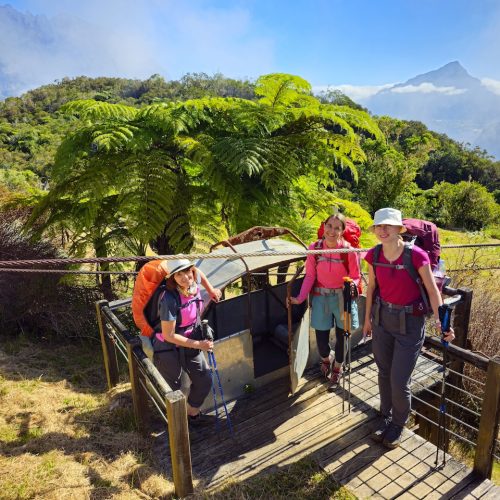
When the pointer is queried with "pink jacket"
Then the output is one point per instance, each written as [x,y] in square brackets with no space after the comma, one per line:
[328,270]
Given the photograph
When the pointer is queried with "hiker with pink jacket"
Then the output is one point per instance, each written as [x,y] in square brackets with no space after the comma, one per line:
[324,280]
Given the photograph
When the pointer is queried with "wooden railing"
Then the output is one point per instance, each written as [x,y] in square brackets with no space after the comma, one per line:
[487,430]
[147,382]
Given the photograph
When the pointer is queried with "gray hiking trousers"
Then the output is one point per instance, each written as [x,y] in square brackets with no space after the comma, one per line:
[396,348]
[170,362]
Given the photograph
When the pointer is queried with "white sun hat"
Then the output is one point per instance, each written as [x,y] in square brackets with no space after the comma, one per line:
[178,265]
[388,217]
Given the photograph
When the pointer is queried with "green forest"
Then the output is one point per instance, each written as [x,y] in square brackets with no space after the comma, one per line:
[112,167]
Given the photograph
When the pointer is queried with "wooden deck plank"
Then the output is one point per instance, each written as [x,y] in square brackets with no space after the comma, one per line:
[273,429]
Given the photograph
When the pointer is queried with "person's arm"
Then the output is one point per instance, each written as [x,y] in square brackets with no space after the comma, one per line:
[434,297]
[168,332]
[354,267]
[214,293]
[370,289]
[309,280]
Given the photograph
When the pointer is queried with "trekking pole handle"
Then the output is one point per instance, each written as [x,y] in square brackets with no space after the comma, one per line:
[207,334]
[445,319]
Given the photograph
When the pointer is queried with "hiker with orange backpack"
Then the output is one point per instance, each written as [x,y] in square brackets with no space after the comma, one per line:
[324,279]
[180,345]
[395,317]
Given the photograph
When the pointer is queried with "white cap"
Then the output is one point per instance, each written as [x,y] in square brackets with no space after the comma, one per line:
[388,217]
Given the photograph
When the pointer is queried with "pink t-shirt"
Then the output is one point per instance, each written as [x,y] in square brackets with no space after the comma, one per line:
[327,274]
[396,285]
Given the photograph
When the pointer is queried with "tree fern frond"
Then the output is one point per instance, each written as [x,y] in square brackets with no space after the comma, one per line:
[96,111]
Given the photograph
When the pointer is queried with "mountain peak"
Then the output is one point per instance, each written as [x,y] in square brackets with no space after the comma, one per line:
[451,74]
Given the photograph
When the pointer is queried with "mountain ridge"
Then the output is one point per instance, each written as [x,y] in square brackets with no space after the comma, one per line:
[448,100]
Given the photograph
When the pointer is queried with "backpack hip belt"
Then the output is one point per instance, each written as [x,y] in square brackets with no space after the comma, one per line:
[407,309]
[326,291]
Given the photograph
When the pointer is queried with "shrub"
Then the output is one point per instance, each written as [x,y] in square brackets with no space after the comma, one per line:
[40,303]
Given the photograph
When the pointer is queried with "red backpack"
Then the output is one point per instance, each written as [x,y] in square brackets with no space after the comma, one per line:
[352,234]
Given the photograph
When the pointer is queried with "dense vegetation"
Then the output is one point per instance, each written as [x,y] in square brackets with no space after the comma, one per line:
[110,166]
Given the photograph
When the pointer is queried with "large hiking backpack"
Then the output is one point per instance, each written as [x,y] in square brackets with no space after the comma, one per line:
[351,234]
[425,235]
[148,291]
[149,286]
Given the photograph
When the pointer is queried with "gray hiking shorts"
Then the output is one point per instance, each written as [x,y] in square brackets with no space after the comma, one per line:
[171,361]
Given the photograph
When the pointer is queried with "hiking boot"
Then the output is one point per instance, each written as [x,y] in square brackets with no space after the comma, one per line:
[392,438]
[334,379]
[199,420]
[379,433]
[325,368]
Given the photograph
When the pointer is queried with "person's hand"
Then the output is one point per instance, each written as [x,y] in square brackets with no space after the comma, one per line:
[367,329]
[206,345]
[292,301]
[449,336]
[215,294]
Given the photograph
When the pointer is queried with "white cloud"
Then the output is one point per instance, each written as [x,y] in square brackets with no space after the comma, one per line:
[356,92]
[427,88]
[491,85]
[128,39]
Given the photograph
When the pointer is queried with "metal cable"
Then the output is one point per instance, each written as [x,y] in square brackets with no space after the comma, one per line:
[447,430]
[235,256]
[448,400]
[154,401]
[447,414]
[466,376]
[464,391]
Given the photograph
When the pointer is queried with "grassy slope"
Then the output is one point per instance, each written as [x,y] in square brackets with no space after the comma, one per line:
[63,436]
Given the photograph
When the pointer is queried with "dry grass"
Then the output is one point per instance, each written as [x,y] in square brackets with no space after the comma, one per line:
[62,436]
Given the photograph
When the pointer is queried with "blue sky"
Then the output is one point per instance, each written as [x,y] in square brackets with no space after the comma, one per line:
[356,43]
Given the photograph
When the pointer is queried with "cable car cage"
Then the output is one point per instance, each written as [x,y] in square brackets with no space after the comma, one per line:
[258,340]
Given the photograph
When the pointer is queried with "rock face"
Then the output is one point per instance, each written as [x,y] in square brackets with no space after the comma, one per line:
[447,100]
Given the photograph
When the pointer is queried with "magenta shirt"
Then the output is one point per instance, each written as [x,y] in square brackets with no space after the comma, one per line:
[396,285]
[328,274]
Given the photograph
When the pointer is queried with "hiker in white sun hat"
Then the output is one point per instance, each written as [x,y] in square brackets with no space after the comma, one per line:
[395,315]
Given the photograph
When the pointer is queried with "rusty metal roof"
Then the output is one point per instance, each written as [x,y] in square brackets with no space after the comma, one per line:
[221,272]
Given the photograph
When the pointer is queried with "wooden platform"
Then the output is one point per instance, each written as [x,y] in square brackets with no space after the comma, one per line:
[273,429]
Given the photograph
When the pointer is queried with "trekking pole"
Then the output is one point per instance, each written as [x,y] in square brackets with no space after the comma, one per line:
[216,409]
[213,368]
[445,319]
[346,362]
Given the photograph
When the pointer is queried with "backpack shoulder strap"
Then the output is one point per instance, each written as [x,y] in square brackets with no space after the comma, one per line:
[408,262]
[376,254]
[345,256]
[412,271]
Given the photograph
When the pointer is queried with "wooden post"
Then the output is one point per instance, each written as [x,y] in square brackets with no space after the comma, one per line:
[461,318]
[108,348]
[139,395]
[180,451]
[488,425]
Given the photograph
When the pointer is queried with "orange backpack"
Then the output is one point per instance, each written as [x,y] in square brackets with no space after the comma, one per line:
[148,281]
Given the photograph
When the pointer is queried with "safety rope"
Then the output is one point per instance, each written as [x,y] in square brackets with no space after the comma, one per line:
[228,256]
